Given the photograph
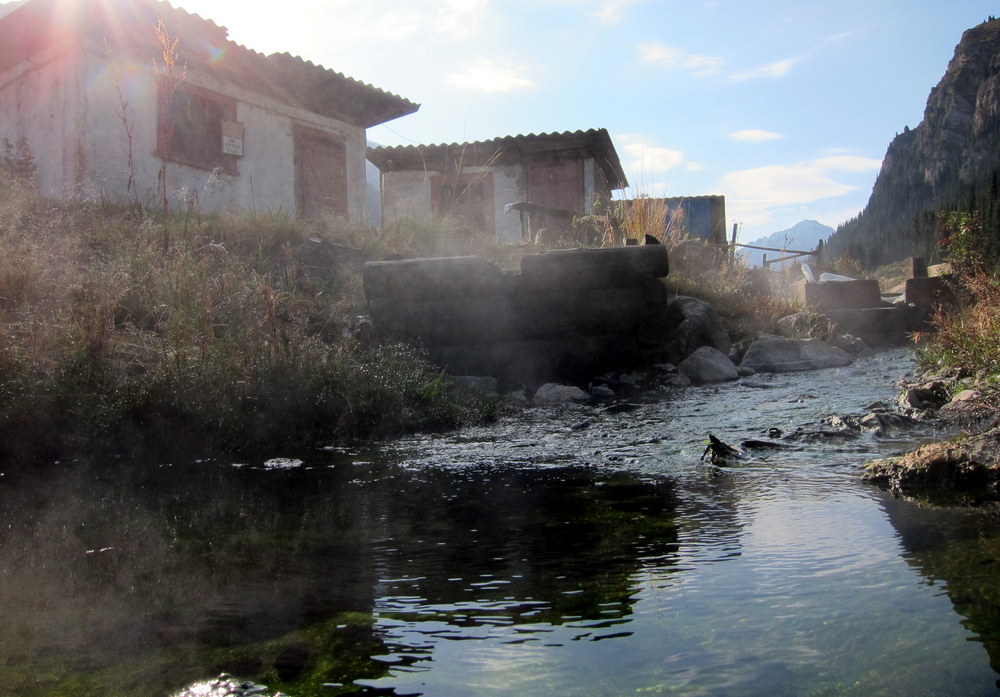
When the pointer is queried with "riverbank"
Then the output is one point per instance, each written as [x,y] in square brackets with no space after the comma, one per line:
[124,332]
[963,468]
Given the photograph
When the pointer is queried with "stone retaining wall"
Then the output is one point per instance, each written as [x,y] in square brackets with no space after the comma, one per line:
[567,315]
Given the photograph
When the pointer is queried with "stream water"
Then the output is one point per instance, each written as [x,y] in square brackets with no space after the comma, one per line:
[580,551]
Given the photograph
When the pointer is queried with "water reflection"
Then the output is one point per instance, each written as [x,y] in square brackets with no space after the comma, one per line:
[121,576]
[539,558]
[139,579]
[957,550]
[585,553]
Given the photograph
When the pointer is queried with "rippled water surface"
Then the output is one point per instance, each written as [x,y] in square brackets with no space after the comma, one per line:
[588,551]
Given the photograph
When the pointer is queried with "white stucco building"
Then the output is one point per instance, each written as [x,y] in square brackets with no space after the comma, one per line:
[82,89]
[511,186]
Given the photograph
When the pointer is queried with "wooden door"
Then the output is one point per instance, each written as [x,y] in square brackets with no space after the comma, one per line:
[320,174]
[557,185]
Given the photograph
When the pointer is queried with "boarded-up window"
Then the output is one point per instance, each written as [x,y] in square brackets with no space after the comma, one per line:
[557,185]
[193,133]
[467,199]
[320,174]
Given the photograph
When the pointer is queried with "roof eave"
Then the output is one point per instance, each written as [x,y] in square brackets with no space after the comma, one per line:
[484,152]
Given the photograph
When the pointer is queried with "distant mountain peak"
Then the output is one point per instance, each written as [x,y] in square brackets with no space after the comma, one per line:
[804,235]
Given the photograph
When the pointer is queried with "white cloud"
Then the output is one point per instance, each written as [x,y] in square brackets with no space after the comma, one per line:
[753,191]
[460,16]
[754,136]
[763,197]
[460,19]
[605,11]
[656,53]
[484,75]
[645,162]
[769,71]
[612,11]
[392,26]
[849,163]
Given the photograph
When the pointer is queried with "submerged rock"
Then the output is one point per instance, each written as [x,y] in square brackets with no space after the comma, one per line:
[551,393]
[775,354]
[850,343]
[720,452]
[602,392]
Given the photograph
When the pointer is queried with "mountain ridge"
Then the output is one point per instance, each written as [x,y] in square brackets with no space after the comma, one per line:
[949,162]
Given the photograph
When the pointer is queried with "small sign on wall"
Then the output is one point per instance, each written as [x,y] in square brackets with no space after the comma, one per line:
[232,138]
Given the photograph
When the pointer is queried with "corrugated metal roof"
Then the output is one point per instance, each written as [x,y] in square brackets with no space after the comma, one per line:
[203,44]
[594,143]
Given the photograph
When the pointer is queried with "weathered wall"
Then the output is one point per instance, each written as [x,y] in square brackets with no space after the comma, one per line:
[590,186]
[509,187]
[568,315]
[408,194]
[65,104]
[33,106]
[405,194]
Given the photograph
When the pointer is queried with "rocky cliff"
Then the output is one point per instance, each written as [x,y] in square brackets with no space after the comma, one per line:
[950,161]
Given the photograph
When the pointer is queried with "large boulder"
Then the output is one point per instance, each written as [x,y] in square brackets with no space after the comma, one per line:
[552,394]
[708,364]
[775,354]
[804,325]
[695,324]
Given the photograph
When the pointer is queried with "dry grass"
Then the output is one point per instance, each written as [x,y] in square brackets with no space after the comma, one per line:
[749,301]
[643,216]
[227,340]
[968,337]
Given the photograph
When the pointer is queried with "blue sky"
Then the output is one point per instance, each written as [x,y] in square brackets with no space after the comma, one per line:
[786,107]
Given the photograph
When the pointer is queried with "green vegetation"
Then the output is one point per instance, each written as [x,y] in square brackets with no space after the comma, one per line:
[966,334]
[230,338]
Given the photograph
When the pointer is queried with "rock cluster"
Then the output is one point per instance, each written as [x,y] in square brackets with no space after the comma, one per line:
[968,463]
[965,463]
[705,355]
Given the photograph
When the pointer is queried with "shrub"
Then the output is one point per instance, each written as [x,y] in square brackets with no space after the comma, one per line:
[966,337]
[225,340]
[749,301]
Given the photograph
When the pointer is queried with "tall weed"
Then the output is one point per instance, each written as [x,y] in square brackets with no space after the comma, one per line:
[967,337]
[227,339]
[966,334]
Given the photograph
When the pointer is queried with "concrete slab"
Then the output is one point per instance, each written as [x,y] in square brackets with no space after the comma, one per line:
[928,292]
[841,295]
[877,326]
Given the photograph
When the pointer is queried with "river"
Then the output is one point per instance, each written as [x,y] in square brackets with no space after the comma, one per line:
[579,551]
